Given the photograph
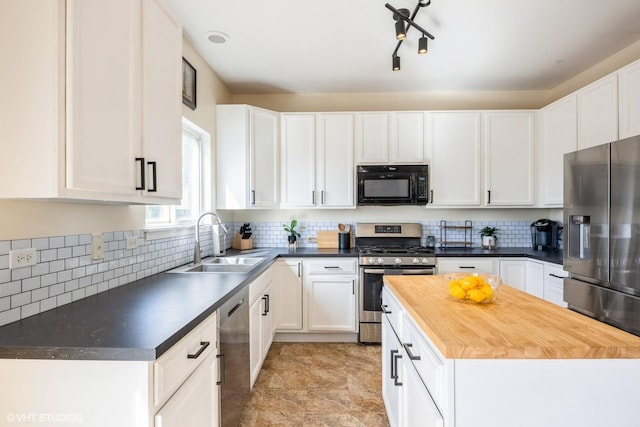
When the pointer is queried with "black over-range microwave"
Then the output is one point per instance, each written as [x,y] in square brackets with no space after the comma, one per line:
[390,185]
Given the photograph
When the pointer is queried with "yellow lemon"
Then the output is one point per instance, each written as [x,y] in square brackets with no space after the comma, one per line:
[488,291]
[467,283]
[457,292]
[477,295]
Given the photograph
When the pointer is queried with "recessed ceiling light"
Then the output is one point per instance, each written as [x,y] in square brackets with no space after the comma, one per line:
[217,37]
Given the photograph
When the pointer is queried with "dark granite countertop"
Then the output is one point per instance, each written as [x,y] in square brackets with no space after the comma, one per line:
[143,319]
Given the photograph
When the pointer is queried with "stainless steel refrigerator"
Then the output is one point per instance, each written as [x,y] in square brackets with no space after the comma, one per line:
[602,232]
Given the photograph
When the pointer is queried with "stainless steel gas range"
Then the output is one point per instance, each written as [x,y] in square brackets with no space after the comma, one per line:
[391,249]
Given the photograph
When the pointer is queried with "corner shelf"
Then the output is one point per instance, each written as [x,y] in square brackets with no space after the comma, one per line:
[451,244]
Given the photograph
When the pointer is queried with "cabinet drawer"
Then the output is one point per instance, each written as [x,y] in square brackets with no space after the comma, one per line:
[257,287]
[174,367]
[331,266]
[554,273]
[429,364]
[391,309]
[468,265]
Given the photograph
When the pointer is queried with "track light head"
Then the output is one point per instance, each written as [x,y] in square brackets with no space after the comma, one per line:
[423,45]
[396,63]
[401,32]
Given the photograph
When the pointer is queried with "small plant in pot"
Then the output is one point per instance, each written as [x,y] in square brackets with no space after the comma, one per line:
[291,229]
[489,237]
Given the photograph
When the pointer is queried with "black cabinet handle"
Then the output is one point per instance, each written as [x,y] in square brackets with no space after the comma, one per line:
[221,367]
[393,365]
[466,266]
[556,276]
[431,196]
[488,197]
[204,345]
[384,308]
[154,177]
[142,184]
[407,348]
[265,298]
[322,197]
[253,197]
[395,362]
[299,268]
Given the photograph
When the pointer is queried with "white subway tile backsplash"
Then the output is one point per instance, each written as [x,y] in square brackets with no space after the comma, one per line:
[5,247]
[56,242]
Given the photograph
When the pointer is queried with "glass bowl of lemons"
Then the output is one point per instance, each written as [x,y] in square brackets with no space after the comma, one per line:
[475,288]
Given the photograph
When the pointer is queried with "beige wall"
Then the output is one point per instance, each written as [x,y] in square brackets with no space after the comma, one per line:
[29,219]
[438,100]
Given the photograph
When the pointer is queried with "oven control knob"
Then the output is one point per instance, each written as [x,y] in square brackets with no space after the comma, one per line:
[398,261]
[425,260]
[372,261]
[380,261]
[415,260]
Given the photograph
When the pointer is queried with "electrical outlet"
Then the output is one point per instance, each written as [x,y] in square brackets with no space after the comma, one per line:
[22,258]
[97,247]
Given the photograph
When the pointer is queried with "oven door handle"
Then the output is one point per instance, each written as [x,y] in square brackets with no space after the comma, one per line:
[372,271]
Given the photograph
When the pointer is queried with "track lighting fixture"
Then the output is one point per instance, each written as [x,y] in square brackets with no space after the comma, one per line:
[422,45]
[396,63]
[404,22]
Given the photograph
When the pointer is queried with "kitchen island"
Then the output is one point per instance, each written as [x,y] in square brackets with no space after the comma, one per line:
[520,361]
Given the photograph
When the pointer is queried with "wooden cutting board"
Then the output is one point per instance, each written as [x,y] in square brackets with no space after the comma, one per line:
[328,239]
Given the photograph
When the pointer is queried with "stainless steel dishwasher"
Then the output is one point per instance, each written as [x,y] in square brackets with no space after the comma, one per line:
[235,369]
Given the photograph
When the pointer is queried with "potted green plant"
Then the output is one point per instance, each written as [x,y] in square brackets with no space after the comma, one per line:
[489,236]
[291,229]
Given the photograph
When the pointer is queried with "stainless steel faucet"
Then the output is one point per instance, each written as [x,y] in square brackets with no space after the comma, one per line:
[196,250]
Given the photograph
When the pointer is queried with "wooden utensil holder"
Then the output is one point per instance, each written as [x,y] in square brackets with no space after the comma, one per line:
[242,244]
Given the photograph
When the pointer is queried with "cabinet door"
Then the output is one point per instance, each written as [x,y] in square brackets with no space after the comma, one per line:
[298,160]
[406,137]
[390,391]
[455,158]
[509,138]
[559,136]
[195,404]
[629,96]
[598,112]
[161,100]
[331,303]
[335,160]
[267,321]
[263,153]
[553,284]
[514,273]
[372,137]
[535,279]
[287,304]
[103,96]
[418,408]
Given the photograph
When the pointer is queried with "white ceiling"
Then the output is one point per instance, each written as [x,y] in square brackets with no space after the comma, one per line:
[321,46]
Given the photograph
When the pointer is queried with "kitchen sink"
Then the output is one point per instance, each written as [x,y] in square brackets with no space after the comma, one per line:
[230,264]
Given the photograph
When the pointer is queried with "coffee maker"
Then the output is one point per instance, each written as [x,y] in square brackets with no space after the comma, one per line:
[544,235]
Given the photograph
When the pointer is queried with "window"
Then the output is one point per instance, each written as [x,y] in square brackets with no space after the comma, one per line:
[196,146]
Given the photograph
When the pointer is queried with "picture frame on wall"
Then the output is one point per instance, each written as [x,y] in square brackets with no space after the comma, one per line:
[188,84]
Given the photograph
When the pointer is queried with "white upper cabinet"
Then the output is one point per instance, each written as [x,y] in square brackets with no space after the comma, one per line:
[454,158]
[406,137]
[297,148]
[390,137]
[598,112]
[317,160]
[372,137]
[247,157]
[94,108]
[335,169]
[629,96]
[509,153]
[558,136]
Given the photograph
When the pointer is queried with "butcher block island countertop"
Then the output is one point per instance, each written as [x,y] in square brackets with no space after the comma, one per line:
[516,326]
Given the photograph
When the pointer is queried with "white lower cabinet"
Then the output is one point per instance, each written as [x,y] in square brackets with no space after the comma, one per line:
[178,389]
[410,383]
[316,295]
[553,284]
[538,278]
[468,265]
[513,272]
[195,403]
[261,326]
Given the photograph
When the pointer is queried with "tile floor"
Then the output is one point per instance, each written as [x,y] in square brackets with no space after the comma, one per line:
[318,384]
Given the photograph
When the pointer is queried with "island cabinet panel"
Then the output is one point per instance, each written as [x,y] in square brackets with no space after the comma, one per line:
[519,361]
